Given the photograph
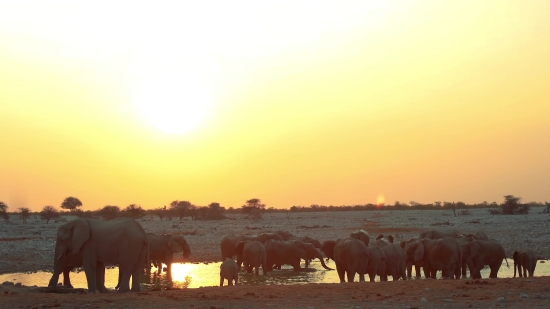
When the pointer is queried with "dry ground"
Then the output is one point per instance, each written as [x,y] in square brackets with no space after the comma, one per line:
[29,247]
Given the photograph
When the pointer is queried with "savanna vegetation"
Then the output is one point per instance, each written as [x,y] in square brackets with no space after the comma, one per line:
[254,208]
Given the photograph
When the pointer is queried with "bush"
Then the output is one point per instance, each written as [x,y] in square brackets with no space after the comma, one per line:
[48,213]
[512,206]
[134,211]
[109,212]
[24,213]
[254,214]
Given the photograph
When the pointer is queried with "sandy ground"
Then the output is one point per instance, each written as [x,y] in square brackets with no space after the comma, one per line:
[29,247]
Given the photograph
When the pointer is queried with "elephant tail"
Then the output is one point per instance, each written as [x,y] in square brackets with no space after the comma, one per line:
[507,265]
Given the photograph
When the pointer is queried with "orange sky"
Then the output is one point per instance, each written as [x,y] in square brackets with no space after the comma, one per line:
[295,104]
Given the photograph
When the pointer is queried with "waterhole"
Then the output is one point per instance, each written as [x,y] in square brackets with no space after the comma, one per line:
[207,274]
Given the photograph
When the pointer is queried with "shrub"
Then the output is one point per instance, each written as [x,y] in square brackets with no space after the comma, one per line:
[24,213]
[134,211]
[48,213]
[109,212]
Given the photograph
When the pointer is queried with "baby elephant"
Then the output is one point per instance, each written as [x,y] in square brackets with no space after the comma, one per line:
[229,270]
[524,260]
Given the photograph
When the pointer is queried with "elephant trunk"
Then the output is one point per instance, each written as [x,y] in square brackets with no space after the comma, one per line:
[58,263]
[321,256]
[186,251]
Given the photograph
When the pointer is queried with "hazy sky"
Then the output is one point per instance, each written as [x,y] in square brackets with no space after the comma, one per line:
[295,103]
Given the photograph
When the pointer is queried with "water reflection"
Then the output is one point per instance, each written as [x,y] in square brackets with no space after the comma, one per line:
[196,275]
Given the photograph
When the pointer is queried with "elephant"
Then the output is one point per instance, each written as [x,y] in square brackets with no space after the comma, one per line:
[479,253]
[291,252]
[229,270]
[284,234]
[478,235]
[229,242]
[388,240]
[433,234]
[417,265]
[120,241]
[352,256]
[362,235]
[440,254]
[396,263]
[307,239]
[254,255]
[524,259]
[162,248]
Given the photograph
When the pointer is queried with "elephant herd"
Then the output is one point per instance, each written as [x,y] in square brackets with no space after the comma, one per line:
[433,251]
[93,244]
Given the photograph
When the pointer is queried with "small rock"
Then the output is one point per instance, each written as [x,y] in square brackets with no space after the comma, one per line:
[501,299]
[424,300]
[427,289]
[523,295]
[447,300]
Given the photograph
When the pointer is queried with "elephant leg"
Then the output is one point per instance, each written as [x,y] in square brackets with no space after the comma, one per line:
[520,271]
[361,277]
[100,278]
[372,276]
[417,270]
[221,280]
[67,278]
[409,269]
[125,274]
[341,272]
[136,274]
[351,275]
[90,266]
[257,270]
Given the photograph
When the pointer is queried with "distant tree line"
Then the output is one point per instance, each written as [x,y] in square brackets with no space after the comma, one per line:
[253,209]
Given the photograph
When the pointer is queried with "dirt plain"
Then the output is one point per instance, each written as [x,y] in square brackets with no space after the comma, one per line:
[29,247]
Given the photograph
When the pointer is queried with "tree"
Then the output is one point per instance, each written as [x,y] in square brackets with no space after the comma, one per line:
[252,204]
[179,208]
[109,212]
[512,206]
[71,203]
[134,211]
[48,213]
[24,213]
[4,211]
[3,207]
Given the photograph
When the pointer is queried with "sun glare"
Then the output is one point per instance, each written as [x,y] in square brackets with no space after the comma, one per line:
[173,86]
[381,199]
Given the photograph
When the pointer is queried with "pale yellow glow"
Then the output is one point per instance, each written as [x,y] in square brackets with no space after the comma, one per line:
[181,271]
[292,102]
[381,199]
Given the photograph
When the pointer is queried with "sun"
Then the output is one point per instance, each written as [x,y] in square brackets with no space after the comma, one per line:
[381,199]
[172,88]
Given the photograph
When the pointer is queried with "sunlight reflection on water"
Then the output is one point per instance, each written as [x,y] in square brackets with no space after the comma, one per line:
[197,275]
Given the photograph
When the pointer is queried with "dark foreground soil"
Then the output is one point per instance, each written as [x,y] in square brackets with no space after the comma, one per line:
[500,293]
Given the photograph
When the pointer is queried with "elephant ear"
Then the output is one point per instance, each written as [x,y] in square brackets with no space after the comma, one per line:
[475,248]
[328,248]
[80,234]
[174,243]
[390,238]
[403,244]
[239,247]
[418,251]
